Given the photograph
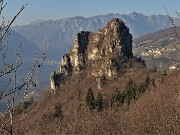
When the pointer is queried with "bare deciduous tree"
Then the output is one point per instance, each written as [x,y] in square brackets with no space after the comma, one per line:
[15,96]
[171,20]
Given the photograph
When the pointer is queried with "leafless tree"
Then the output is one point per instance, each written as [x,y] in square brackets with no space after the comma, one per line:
[173,25]
[15,96]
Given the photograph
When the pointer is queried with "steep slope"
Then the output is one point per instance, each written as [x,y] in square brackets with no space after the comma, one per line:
[59,34]
[154,112]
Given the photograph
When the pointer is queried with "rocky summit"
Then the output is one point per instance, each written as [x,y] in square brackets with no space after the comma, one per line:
[101,53]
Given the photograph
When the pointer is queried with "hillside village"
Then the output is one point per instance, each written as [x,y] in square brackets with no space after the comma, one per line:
[163,49]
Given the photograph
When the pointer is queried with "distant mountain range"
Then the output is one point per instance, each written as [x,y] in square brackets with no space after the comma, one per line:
[58,35]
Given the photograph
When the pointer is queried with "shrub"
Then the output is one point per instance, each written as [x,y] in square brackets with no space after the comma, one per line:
[28,103]
[57,111]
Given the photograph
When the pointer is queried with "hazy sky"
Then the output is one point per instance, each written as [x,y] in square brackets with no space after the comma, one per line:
[56,9]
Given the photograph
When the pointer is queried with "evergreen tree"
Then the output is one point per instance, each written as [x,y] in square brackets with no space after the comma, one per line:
[58,111]
[147,81]
[90,101]
[114,99]
[117,99]
[99,102]
[141,88]
[121,97]
[130,91]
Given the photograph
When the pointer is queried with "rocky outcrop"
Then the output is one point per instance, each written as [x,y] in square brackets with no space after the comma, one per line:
[100,53]
[78,52]
[55,80]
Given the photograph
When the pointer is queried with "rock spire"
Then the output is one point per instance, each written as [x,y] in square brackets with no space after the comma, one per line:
[99,52]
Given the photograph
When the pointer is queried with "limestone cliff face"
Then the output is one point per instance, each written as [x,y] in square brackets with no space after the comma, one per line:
[100,52]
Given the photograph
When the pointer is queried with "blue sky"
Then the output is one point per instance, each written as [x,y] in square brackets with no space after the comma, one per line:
[56,9]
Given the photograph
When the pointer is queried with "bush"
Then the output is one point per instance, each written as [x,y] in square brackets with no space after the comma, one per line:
[57,111]
[28,103]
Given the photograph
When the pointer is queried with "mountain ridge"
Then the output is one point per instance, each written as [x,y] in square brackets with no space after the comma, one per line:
[60,33]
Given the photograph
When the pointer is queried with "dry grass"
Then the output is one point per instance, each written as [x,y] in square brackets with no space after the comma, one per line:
[157,111]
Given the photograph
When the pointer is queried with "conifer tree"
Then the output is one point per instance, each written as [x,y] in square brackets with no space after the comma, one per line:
[147,81]
[99,102]
[90,100]
[130,91]
[57,111]
[117,99]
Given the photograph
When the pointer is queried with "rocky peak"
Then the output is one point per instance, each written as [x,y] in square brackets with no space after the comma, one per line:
[100,53]
[114,38]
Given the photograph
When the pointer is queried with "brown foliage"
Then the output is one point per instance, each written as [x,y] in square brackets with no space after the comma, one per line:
[157,111]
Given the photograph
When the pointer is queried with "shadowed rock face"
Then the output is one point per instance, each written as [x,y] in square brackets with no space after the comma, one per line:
[99,52]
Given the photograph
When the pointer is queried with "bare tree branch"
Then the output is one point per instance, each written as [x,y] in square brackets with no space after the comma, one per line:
[15,96]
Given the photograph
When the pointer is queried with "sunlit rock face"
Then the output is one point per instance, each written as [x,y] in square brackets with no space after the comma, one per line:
[53,81]
[99,52]
[106,46]
[78,52]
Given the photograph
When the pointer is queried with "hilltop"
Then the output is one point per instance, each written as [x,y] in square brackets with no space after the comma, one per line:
[104,54]
[104,89]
